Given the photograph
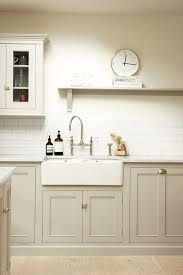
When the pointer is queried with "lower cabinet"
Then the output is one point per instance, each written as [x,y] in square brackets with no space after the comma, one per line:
[23,205]
[82,216]
[5,228]
[23,186]
[62,216]
[102,216]
[156,205]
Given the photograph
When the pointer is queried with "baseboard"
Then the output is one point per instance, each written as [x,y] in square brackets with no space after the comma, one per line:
[95,250]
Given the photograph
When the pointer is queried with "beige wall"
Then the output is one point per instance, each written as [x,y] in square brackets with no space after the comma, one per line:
[88,42]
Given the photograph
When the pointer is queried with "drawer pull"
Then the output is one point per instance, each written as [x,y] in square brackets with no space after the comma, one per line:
[162,172]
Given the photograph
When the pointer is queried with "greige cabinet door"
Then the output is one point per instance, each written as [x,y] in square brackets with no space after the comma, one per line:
[172,205]
[145,196]
[7,227]
[62,216]
[23,205]
[1,228]
[156,205]
[102,216]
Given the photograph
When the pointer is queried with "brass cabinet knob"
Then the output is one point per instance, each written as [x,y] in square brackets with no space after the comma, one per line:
[84,205]
[7,210]
[162,172]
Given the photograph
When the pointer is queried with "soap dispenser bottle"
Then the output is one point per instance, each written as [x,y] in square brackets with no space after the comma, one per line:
[59,145]
[49,147]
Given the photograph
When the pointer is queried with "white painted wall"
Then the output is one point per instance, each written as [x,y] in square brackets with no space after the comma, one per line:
[150,124]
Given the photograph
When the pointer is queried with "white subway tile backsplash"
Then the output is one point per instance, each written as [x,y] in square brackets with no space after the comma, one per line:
[149,128]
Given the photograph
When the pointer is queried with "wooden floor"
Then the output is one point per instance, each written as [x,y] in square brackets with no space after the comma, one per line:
[127,265]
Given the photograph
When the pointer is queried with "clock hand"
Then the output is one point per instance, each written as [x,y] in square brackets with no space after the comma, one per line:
[125,60]
[131,63]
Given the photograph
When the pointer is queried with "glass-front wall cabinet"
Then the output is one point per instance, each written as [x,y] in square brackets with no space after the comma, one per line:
[20,76]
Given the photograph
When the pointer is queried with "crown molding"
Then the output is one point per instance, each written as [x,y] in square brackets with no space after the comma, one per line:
[24,38]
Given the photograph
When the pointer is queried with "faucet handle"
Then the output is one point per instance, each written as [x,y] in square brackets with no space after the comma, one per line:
[91,146]
[71,139]
[109,147]
[71,145]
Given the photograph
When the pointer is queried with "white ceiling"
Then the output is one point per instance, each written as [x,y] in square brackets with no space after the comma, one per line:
[140,7]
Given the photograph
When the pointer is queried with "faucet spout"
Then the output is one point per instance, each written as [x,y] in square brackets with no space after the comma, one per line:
[81,143]
[70,127]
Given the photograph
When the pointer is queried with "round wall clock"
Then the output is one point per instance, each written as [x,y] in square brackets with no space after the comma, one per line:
[125,63]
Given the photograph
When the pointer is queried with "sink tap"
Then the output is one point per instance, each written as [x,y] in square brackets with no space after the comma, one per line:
[70,125]
[81,143]
[109,149]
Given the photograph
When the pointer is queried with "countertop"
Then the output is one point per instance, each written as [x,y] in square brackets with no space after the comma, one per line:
[127,159]
[5,172]
[16,158]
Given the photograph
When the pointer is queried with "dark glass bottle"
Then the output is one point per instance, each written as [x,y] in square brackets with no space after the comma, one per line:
[59,145]
[49,147]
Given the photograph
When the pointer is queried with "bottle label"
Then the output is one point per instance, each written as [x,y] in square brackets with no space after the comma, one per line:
[59,147]
[49,148]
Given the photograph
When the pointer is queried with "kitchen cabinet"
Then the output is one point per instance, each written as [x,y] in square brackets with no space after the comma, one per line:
[156,205]
[1,227]
[5,206]
[21,78]
[23,204]
[171,205]
[102,216]
[82,216]
[62,216]
[144,205]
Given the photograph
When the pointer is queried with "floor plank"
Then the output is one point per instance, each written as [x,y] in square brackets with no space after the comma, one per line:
[127,265]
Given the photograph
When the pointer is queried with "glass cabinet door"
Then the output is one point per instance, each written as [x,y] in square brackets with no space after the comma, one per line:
[21,76]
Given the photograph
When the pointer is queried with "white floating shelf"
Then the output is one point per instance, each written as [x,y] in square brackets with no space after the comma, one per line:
[128,91]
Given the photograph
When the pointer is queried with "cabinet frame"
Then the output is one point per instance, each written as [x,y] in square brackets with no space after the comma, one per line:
[3,75]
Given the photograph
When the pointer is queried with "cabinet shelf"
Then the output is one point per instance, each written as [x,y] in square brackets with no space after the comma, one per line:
[21,66]
[20,88]
[117,91]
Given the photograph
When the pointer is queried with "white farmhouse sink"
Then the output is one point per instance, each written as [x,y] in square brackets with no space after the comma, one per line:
[82,172]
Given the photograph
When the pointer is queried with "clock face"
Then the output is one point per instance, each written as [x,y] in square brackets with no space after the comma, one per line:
[125,63]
